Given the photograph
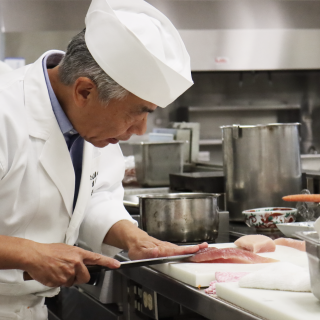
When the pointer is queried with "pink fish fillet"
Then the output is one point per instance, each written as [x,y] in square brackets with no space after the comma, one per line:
[296,244]
[228,255]
[256,243]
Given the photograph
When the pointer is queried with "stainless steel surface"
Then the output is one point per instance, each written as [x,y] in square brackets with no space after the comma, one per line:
[156,160]
[247,34]
[261,165]
[313,250]
[42,15]
[219,35]
[243,108]
[241,50]
[180,217]
[140,263]
[194,129]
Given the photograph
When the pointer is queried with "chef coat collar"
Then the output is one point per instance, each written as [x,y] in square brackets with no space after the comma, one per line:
[50,61]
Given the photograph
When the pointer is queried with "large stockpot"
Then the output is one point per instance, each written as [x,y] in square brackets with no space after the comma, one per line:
[261,165]
[180,217]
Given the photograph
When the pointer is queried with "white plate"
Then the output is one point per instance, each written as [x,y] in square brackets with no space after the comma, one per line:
[289,229]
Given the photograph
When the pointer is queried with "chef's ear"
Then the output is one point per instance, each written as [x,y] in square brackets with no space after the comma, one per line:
[84,90]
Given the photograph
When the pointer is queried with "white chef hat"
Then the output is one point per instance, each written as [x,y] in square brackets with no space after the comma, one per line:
[139,48]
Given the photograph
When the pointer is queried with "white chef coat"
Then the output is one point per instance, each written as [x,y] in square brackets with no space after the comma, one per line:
[37,177]
[4,68]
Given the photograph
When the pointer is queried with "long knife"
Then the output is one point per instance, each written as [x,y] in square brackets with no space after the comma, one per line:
[140,263]
[129,264]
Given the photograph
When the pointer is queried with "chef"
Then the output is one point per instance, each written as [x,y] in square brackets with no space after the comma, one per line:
[61,167]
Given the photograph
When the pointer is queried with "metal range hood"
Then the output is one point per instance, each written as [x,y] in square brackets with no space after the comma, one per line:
[222,35]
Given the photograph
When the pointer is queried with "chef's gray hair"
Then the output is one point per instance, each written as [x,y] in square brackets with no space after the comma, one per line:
[78,62]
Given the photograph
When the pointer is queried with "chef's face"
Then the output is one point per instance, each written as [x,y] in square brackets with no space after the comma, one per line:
[101,124]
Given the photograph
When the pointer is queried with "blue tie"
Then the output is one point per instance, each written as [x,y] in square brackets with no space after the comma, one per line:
[75,146]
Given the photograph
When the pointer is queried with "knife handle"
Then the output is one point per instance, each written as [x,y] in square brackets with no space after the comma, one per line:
[95,269]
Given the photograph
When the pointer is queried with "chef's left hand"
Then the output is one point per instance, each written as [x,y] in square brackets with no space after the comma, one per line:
[140,245]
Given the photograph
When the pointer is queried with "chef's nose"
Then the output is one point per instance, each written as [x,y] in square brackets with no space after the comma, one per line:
[140,127]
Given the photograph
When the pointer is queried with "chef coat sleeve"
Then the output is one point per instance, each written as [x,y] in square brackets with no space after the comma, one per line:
[106,205]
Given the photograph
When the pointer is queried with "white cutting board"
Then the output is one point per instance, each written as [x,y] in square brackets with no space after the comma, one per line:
[201,274]
[271,304]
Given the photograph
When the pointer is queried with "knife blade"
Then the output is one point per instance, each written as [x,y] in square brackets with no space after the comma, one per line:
[140,263]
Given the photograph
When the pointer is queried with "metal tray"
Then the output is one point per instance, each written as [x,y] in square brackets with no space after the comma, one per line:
[290,229]
[313,250]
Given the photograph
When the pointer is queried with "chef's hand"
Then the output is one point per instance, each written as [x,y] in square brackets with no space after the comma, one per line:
[59,264]
[148,247]
[140,245]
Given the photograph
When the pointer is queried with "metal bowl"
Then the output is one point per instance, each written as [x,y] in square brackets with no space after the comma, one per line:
[180,217]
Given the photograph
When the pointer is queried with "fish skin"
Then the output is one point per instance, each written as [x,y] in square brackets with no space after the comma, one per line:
[228,255]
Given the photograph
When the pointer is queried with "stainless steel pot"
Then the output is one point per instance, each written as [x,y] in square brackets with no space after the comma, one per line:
[180,217]
[261,165]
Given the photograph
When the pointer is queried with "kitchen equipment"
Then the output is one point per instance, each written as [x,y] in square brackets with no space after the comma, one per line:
[201,274]
[141,263]
[261,164]
[198,181]
[154,161]
[184,131]
[290,229]
[310,162]
[271,304]
[207,181]
[265,219]
[180,217]
[313,250]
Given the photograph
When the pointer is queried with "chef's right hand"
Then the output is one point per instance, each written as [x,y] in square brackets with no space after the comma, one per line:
[60,264]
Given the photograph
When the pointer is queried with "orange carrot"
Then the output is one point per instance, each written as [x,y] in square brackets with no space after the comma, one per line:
[302,198]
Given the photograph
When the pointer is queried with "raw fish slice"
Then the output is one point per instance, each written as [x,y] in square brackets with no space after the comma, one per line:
[256,243]
[228,255]
[296,244]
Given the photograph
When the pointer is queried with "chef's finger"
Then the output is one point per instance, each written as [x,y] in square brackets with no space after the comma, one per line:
[203,245]
[177,250]
[92,258]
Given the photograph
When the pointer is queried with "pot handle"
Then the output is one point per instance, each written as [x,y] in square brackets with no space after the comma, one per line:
[236,131]
[130,204]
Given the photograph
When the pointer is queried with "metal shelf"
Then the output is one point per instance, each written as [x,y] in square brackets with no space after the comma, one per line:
[243,108]
[210,142]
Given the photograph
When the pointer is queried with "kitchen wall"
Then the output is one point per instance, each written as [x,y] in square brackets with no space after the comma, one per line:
[31,45]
